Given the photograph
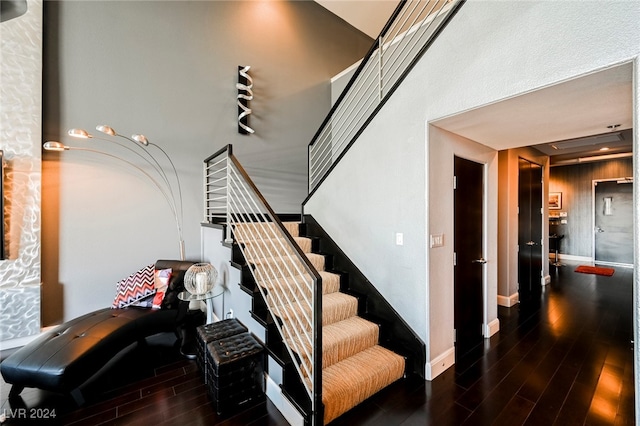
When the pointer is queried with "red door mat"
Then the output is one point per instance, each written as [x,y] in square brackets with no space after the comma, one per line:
[597,270]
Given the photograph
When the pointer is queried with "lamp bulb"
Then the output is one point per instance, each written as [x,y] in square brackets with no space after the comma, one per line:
[106,130]
[54,146]
[79,133]
[140,138]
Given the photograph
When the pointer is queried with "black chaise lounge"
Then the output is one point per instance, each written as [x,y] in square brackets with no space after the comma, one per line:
[64,358]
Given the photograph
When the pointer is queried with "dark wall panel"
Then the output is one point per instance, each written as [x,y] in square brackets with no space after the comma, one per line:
[576,184]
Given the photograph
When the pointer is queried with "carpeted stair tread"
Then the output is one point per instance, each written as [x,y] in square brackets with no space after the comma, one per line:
[298,287]
[355,367]
[250,230]
[269,246]
[335,307]
[293,228]
[317,260]
[351,381]
[342,340]
[330,282]
[274,267]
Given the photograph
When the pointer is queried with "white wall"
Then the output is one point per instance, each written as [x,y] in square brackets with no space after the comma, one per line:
[168,69]
[490,51]
[234,301]
[442,147]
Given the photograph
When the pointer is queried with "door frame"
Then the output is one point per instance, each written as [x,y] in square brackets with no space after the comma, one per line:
[594,183]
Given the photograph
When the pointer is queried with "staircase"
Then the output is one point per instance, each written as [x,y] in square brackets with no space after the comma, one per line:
[354,365]
[338,341]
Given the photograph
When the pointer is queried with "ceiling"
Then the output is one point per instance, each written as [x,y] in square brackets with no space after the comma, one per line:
[369,16]
[560,120]
[567,121]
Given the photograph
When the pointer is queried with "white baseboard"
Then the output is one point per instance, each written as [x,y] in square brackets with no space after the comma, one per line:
[508,301]
[492,328]
[288,411]
[587,259]
[16,343]
[439,364]
[21,341]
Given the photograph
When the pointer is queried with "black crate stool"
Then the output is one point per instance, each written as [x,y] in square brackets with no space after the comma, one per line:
[207,333]
[236,373]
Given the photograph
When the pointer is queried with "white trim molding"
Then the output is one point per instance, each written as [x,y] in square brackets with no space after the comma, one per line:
[571,257]
[490,329]
[288,411]
[440,363]
[508,301]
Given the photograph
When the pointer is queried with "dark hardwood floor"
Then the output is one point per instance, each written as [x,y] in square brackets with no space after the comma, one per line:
[565,360]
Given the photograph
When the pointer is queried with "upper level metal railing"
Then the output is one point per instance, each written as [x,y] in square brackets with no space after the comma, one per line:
[287,280]
[413,26]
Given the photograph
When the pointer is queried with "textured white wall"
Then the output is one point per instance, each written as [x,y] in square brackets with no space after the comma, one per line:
[490,51]
[20,129]
[442,147]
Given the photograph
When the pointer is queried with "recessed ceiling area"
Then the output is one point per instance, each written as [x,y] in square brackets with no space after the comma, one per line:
[369,16]
[560,115]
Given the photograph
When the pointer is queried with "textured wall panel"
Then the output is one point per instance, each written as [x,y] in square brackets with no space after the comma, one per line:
[576,184]
[20,139]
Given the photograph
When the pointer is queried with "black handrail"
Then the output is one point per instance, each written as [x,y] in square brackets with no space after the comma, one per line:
[227,148]
[318,414]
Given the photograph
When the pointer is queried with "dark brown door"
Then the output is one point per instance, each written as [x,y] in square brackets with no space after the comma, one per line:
[468,247]
[529,230]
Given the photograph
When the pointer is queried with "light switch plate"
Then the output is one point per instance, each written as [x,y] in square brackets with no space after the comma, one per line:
[399,239]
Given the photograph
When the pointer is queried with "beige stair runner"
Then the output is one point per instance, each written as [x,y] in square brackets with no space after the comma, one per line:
[354,366]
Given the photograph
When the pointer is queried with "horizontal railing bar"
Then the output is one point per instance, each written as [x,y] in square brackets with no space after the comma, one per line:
[217,198]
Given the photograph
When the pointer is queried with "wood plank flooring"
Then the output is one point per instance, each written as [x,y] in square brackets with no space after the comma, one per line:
[565,360]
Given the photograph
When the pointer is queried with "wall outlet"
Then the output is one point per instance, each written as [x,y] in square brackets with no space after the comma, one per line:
[229,314]
[399,239]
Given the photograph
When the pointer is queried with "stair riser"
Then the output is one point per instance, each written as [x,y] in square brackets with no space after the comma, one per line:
[270,248]
[330,314]
[276,268]
[350,382]
[286,291]
[333,354]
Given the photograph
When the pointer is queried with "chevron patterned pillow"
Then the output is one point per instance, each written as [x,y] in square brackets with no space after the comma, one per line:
[135,287]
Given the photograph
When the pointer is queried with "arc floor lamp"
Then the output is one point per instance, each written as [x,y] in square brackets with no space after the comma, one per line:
[167,184]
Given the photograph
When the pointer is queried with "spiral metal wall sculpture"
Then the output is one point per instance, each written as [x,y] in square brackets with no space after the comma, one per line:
[245,94]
